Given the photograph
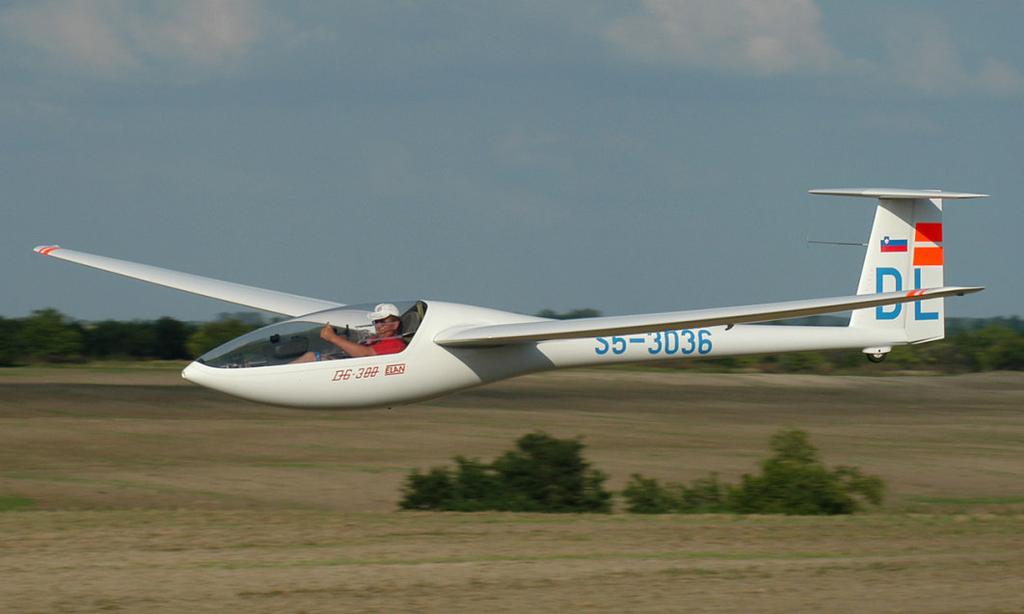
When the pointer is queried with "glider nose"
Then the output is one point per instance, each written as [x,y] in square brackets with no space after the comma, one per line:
[193,373]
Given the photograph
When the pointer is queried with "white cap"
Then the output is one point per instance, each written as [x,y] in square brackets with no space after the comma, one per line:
[382,311]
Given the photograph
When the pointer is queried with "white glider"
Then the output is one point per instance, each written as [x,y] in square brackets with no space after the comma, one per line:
[448,346]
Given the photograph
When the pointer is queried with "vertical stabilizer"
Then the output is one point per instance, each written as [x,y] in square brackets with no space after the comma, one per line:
[904,252]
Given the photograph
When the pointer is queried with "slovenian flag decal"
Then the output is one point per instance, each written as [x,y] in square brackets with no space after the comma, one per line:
[893,245]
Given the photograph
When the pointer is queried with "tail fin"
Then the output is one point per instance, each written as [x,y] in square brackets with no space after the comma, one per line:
[904,252]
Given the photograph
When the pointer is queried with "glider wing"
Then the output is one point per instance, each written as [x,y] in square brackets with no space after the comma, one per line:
[249,296]
[505,334]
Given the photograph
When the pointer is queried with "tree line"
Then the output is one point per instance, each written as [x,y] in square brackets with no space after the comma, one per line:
[47,335]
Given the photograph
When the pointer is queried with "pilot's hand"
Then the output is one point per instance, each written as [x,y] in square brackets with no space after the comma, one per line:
[327,333]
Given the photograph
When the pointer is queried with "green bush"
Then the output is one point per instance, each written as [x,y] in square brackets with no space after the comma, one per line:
[171,338]
[470,487]
[433,490]
[164,339]
[648,496]
[47,336]
[11,350]
[543,474]
[703,496]
[792,481]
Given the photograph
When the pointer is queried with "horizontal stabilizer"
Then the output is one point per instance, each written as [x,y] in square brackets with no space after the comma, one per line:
[249,296]
[896,193]
[524,332]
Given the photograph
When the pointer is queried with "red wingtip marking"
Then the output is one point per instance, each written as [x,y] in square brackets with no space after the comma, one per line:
[47,250]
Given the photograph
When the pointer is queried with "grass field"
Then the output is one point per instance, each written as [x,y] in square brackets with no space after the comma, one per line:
[124,488]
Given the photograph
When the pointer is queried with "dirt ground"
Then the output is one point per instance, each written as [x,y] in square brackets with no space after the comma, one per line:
[129,489]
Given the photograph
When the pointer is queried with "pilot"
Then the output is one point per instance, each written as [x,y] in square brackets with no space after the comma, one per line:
[387,324]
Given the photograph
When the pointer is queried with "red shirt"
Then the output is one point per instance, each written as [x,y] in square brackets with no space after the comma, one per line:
[388,345]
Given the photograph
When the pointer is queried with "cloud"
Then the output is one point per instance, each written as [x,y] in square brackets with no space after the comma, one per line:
[765,37]
[922,54]
[780,37]
[207,31]
[998,77]
[77,32]
[114,37]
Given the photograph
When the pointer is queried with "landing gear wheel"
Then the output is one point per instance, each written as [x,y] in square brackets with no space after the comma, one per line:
[877,357]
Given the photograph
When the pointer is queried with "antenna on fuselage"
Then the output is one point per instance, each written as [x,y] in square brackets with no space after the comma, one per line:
[846,243]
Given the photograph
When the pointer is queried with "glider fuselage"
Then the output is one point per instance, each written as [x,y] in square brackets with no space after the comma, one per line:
[425,369]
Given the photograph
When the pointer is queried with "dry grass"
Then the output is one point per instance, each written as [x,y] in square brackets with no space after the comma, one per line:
[150,494]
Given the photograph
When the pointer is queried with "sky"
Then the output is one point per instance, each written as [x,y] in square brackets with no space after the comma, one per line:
[631,157]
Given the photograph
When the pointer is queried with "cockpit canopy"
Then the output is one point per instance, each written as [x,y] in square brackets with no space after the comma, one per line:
[288,341]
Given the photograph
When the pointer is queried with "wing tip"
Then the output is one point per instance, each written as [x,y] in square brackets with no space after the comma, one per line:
[970,290]
[45,250]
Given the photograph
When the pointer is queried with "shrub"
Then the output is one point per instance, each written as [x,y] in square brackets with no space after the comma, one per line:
[46,335]
[792,481]
[471,486]
[647,496]
[704,496]
[11,350]
[428,491]
[549,474]
[171,338]
[544,474]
